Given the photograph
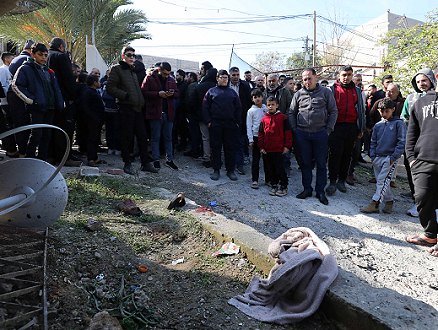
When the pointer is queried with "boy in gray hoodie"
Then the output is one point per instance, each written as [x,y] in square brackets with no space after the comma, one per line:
[387,145]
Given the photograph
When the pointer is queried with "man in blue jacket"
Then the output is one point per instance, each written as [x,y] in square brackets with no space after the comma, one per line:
[36,85]
[222,113]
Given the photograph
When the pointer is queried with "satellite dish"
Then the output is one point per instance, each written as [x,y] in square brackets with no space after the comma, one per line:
[33,193]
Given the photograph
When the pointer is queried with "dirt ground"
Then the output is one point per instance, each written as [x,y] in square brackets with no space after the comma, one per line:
[93,271]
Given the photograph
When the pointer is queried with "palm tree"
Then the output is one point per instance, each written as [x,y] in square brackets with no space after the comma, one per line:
[72,21]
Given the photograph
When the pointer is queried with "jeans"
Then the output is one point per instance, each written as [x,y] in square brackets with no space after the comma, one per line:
[313,146]
[161,126]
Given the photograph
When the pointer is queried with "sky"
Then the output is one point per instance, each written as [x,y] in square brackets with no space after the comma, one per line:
[206,30]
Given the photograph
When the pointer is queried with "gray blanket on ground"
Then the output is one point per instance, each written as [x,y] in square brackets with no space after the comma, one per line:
[296,284]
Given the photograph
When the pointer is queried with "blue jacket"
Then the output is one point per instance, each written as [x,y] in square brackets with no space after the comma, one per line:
[18,61]
[221,103]
[28,86]
[388,139]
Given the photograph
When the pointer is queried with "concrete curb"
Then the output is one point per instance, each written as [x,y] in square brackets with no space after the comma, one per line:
[372,309]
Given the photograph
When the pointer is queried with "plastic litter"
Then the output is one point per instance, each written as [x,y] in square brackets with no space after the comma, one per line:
[228,249]
[179,261]
[100,277]
[213,203]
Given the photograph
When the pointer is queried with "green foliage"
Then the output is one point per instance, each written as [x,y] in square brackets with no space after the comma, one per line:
[411,49]
[72,21]
[297,60]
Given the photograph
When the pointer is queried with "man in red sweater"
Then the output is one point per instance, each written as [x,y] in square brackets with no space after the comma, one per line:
[275,140]
[350,125]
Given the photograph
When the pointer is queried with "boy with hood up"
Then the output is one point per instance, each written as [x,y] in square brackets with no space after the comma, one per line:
[423,81]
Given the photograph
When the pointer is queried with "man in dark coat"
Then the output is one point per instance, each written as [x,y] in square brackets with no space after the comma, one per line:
[244,92]
[123,85]
[180,126]
[59,61]
[159,91]
[19,112]
[208,81]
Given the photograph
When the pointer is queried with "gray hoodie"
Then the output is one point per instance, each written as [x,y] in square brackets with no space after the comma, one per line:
[313,111]
[410,100]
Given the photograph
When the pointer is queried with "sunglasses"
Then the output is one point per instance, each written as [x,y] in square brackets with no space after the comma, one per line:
[129,55]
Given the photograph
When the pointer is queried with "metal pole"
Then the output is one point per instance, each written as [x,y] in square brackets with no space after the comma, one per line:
[314,38]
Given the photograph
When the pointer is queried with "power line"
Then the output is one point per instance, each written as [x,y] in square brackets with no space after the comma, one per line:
[230,44]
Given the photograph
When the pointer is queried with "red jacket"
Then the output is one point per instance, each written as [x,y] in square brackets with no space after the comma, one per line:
[150,88]
[274,133]
[346,99]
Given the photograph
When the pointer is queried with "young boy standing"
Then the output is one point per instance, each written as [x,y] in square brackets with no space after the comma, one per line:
[253,119]
[275,140]
[36,85]
[387,145]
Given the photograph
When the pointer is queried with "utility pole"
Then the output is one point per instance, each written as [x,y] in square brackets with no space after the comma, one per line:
[306,51]
[314,38]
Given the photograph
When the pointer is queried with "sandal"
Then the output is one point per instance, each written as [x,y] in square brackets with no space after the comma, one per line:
[129,207]
[434,249]
[417,240]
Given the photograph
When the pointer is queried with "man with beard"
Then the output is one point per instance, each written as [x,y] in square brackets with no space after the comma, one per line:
[350,125]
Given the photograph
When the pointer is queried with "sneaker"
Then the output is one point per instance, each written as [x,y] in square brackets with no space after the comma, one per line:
[331,189]
[172,165]
[111,152]
[240,170]
[341,186]
[282,192]
[273,190]
[215,176]
[96,163]
[147,167]
[245,160]
[231,175]
[255,185]
[157,164]
[128,169]
[413,211]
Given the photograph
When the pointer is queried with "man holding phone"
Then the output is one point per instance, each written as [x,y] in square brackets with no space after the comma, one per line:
[159,91]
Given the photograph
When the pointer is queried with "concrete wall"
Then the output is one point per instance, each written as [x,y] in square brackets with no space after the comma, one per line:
[188,66]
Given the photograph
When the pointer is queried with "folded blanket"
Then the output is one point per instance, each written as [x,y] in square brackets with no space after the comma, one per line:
[296,284]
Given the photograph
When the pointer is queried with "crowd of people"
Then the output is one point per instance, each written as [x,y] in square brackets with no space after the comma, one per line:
[329,127]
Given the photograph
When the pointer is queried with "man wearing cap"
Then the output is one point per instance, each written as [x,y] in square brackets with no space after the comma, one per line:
[19,113]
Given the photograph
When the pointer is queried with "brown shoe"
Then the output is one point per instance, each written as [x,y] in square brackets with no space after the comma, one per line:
[392,184]
[373,180]
[350,180]
[129,207]
[372,208]
[388,207]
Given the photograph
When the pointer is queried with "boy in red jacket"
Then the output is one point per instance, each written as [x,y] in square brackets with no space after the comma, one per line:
[275,139]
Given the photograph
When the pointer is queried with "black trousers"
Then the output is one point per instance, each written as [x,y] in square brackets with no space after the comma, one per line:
[425,177]
[341,142]
[65,120]
[132,123]
[7,124]
[180,127]
[94,126]
[355,156]
[255,166]
[81,129]
[20,117]
[40,137]
[276,169]
[409,174]
[223,133]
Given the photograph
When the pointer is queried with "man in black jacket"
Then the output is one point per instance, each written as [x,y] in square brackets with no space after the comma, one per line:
[19,112]
[208,81]
[59,61]
[180,126]
[422,154]
[244,92]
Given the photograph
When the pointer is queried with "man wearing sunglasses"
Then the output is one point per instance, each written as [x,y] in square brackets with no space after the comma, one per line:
[123,85]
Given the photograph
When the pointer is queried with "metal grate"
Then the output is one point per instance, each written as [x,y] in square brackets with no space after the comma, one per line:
[23,255]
